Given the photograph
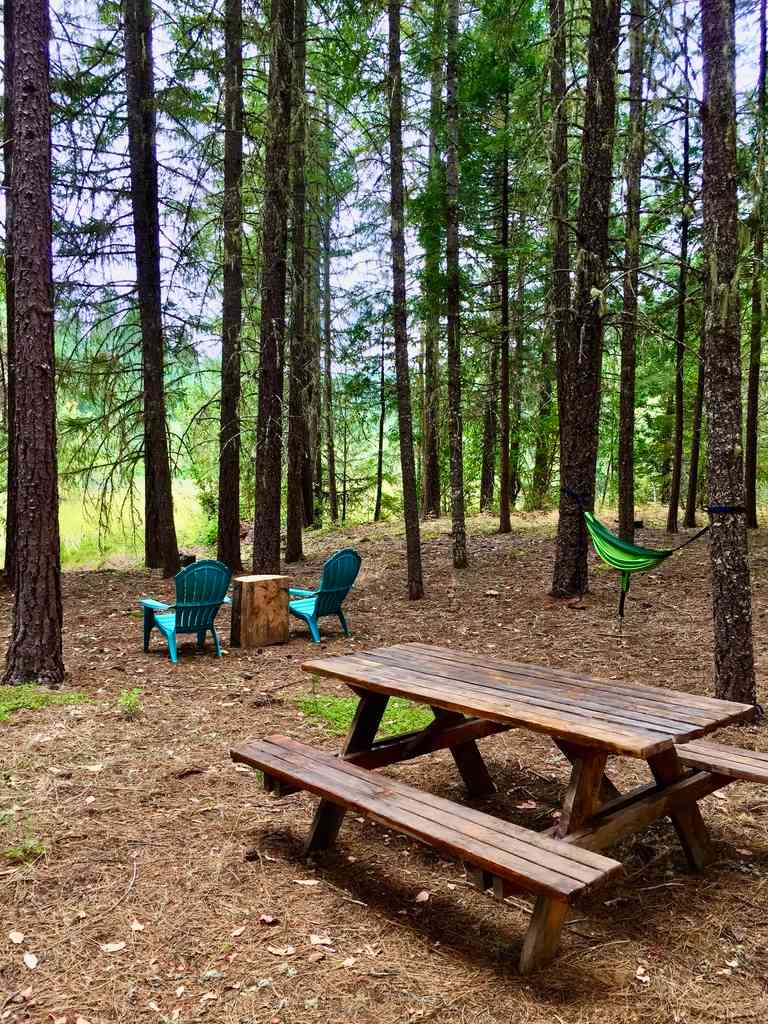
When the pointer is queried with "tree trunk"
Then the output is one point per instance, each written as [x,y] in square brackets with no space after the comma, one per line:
[314,478]
[269,428]
[333,499]
[515,454]
[432,287]
[579,371]
[731,590]
[410,505]
[682,299]
[490,429]
[561,255]
[10,489]
[693,469]
[542,459]
[505,524]
[298,384]
[382,421]
[161,548]
[35,649]
[758,277]
[635,156]
[455,435]
[228,543]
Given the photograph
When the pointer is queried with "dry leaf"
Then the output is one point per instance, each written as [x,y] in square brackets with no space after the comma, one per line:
[137,926]
[59,1020]
[16,937]
[268,919]
[316,956]
[94,768]
[238,931]
[642,975]
[30,961]
[180,991]
[527,805]
[306,881]
[90,799]
[320,940]
[112,947]
[208,997]
[82,1020]
[281,950]
[348,962]
[422,897]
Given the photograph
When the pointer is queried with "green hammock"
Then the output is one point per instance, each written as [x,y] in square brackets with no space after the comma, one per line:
[624,557]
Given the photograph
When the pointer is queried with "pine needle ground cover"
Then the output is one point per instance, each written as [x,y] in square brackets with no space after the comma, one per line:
[152,879]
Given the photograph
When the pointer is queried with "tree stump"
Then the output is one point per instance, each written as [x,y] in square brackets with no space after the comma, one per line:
[259,611]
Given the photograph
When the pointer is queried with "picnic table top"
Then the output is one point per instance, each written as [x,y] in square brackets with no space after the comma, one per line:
[618,717]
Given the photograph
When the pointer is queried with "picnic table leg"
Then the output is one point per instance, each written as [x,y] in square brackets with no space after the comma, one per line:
[362,732]
[468,758]
[688,822]
[607,789]
[583,796]
[543,936]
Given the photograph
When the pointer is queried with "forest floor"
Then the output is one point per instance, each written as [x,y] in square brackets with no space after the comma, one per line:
[159,883]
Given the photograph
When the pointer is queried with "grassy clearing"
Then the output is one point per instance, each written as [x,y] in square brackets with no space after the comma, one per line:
[30,697]
[337,713]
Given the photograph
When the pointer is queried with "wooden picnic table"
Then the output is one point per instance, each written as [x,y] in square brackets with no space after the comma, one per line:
[473,696]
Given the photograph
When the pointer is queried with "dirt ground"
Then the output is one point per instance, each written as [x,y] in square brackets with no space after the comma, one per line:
[172,888]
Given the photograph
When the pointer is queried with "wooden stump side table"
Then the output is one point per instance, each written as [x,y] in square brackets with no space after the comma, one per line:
[259,611]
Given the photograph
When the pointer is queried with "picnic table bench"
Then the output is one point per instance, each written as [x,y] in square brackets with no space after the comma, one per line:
[473,696]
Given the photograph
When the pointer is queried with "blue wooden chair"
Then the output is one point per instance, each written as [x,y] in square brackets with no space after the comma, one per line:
[201,589]
[339,573]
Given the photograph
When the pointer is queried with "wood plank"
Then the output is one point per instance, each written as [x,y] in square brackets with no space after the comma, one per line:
[735,762]
[687,819]
[639,808]
[607,789]
[259,611]
[675,720]
[467,757]
[546,693]
[604,735]
[713,704]
[406,746]
[431,820]
[542,939]
[582,798]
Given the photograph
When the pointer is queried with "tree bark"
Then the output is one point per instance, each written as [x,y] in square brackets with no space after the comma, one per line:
[399,315]
[579,369]
[490,429]
[542,459]
[505,524]
[228,542]
[682,300]
[35,649]
[269,427]
[758,286]
[693,469]
[10,395]
[333,499]
[298,384]
[455,429]
[634,164]
[432,286]
[161,548]
[380,453]
[516,416]
[731,589]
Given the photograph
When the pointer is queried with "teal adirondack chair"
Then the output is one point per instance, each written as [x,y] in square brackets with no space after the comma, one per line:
[339,573]
[201,589]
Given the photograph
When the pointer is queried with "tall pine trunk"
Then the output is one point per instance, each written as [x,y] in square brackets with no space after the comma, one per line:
[269,427]
[35,649]
[455,436]
[695,455]
[758,284]
[579,370]
[682,301]
[542,459]
[160,546]
[410,504]
[731,590]
[505,524]
[635,156]
[380,449]
[516,414]
[490,428]
[10,488]
[298,384]
[228,543]
[330,446]
[432,286]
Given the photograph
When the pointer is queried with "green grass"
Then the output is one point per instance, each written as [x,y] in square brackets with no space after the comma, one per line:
[337,713]
[129,703]
[29,849]
[31,697]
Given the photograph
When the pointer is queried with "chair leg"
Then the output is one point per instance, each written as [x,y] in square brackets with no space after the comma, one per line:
[149,623]
[216,641]
[171,638]
[314,629]
[343,622]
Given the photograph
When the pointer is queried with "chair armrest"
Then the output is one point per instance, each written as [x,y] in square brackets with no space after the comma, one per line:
[147,602]
[297,592]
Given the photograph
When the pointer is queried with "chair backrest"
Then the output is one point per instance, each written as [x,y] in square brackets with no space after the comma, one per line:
[200,590]
[339,573]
